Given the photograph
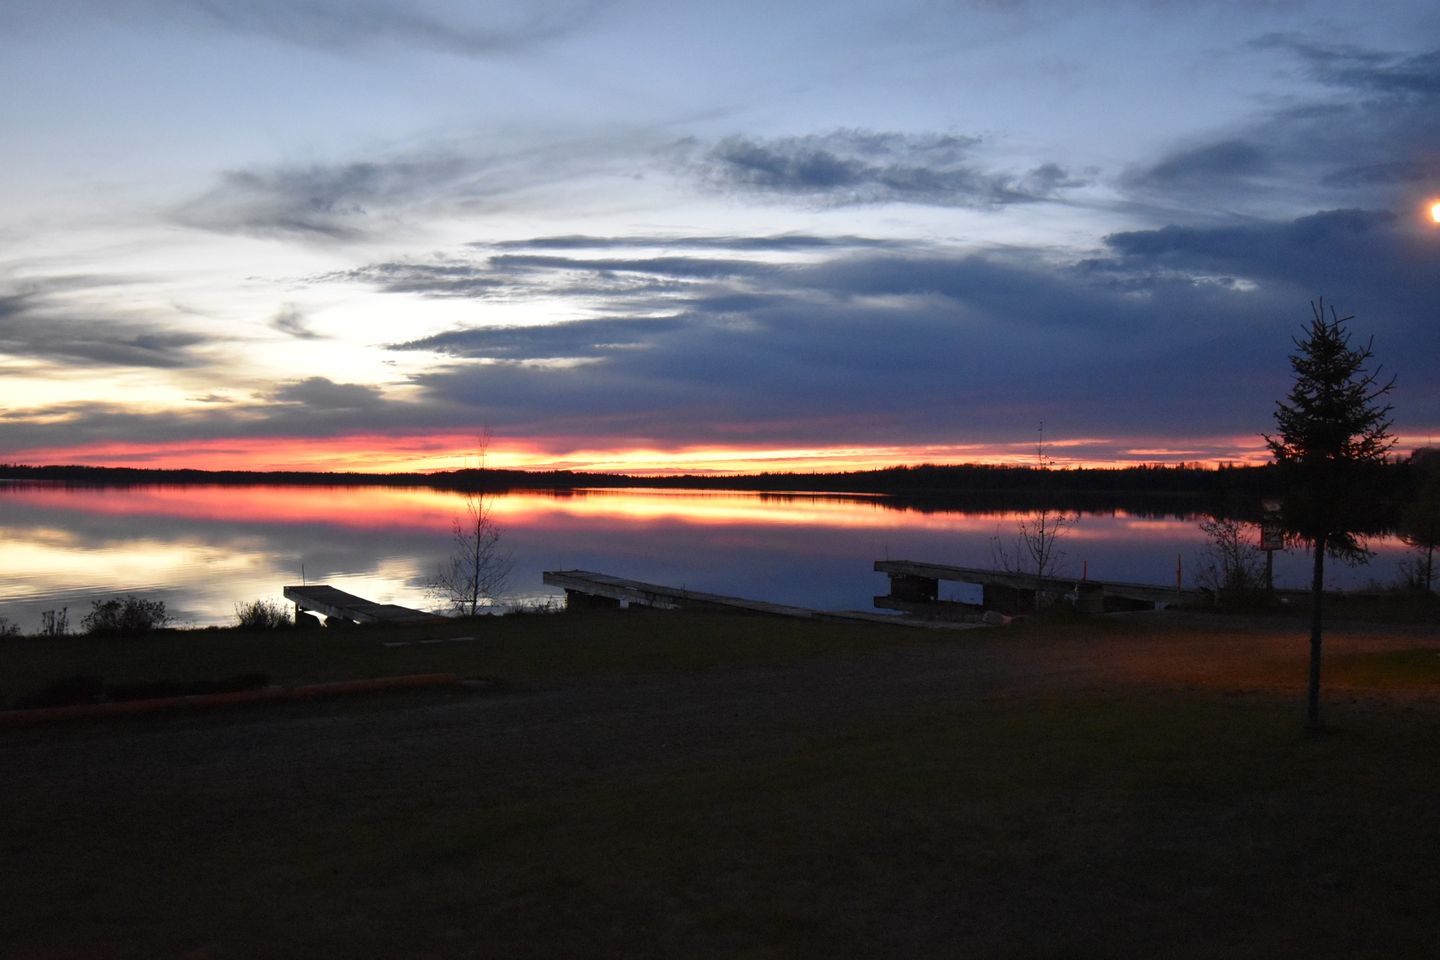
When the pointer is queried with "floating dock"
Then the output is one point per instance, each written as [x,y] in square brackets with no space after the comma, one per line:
[337,604]
[915,588]
[586,589]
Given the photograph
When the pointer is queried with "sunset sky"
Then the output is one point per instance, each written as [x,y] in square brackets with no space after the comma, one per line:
[635,235]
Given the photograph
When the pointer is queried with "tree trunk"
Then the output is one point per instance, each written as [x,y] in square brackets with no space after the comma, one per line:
[1317,597]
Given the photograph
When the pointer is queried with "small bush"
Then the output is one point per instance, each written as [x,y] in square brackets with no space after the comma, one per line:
[1231,567]
[9,629]
[129,617]
[262,615]
[539,605]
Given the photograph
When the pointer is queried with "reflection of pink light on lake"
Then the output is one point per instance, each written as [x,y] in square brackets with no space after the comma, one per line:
[434,511]
[418,508]
[1115,528]
[214,546]
[399,508]
[355,507]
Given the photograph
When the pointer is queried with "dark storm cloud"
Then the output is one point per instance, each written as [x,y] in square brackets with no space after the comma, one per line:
[320,202]
[862,166]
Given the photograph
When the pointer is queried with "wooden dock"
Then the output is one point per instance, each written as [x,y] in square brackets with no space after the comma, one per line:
[586,589]
[337,604]
[914,588]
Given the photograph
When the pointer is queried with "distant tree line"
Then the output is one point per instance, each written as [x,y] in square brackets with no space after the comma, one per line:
[1233,491]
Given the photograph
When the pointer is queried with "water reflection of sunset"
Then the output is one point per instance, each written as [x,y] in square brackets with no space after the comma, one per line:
[362,507]
[427,509]
[418,508]
[205,548]
[66,562]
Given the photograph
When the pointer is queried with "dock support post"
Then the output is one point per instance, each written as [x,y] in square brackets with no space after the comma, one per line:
[579,600]
[1089,598]
[906,586]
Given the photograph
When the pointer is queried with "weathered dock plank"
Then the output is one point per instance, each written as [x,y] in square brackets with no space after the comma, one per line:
[585,588]
[332,602]
[914,584]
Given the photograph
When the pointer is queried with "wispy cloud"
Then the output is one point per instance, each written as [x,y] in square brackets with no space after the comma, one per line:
[290,321]
[1358,68]
[39,322]
[784,242]
[350,25]
[518,275]
[321,394]
[1370,135]
[1221,161]
[1176,330]
[845,167]
[320,202]
[574,340]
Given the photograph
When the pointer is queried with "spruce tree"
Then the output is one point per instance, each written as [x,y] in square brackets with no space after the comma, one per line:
[1332,428]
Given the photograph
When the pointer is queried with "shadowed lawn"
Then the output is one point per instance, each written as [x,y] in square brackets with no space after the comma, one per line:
[526,650]
[1093,828]
[816,803]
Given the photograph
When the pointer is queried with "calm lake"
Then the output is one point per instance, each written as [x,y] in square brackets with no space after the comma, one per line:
[205,549]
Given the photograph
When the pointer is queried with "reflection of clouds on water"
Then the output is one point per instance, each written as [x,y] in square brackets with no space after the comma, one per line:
[204,549]
[71,547]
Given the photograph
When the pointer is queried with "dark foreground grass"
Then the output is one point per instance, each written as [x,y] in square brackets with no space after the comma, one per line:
[524,650]
[1041,828]
[1096,828]
[1096,821]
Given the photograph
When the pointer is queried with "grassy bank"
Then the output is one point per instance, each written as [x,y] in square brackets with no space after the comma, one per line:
[524,650]
[659,785]
[538,650]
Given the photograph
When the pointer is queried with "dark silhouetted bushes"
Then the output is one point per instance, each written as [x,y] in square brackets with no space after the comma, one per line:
[128,617]
[263,615]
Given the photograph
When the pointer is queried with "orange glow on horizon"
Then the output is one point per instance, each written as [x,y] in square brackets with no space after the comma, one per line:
[1435,211]
[443,452]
